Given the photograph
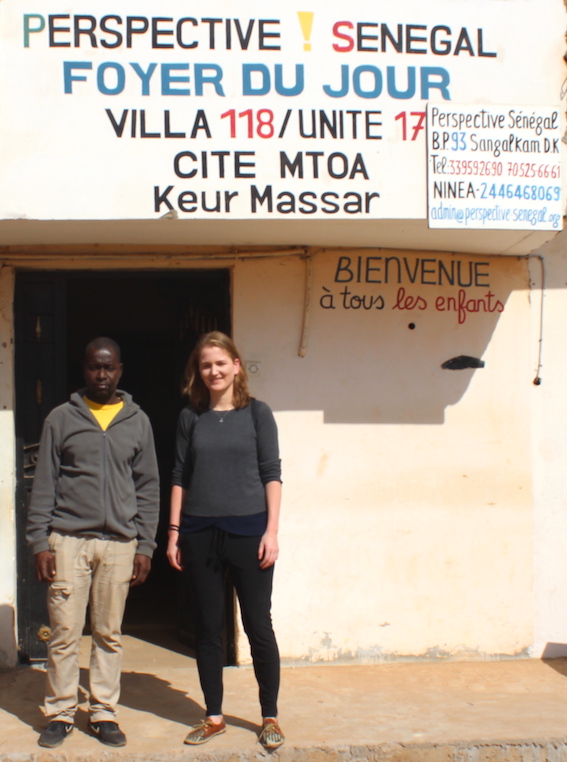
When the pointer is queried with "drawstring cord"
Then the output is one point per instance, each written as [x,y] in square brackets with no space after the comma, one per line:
[216,550]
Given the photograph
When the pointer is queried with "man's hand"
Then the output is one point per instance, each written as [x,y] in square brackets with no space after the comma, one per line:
[142,566]
[45,566]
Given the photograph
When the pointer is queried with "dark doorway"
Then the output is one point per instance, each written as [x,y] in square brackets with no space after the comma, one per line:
[156,318]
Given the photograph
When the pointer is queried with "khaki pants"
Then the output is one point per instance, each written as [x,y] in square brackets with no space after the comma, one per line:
[98,573]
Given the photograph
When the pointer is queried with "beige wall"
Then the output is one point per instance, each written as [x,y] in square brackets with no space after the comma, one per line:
[549,453]
[410,518]
[407,525]
[7,475]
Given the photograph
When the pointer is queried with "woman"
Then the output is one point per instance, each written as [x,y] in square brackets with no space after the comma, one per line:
[225,505]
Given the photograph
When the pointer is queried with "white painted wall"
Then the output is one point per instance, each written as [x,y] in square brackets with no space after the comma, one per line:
[407,522]
[549,447]
[68,106]
[423,508]
[7,475]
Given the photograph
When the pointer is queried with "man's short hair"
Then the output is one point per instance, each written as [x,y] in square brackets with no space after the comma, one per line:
[103,342]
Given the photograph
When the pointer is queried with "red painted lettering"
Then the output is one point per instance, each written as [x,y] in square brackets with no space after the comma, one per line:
[404,302]
[341,36]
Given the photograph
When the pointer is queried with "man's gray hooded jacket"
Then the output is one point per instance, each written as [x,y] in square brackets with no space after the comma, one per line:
[93,482]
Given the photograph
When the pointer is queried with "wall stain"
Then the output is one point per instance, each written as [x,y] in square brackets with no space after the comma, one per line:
[322,466]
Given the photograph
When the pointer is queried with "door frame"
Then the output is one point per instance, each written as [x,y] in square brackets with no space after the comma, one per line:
[31,606]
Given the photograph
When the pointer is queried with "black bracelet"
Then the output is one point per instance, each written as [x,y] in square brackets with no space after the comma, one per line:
[174,527]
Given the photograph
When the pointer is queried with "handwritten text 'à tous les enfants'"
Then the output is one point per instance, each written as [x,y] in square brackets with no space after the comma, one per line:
[423,272]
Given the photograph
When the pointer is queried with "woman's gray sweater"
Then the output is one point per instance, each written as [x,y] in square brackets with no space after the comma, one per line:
[225,465]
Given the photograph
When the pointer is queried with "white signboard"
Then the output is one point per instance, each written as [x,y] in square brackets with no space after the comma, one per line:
[494,167]
[249,110]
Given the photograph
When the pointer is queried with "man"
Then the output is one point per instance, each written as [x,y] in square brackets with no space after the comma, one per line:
[91,525]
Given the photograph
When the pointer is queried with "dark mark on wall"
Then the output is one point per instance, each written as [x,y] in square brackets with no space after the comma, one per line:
[461,362]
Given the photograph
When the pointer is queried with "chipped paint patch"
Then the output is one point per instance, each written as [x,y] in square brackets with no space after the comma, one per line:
[328,654]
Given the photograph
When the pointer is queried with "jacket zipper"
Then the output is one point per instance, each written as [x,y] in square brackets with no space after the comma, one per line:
[105,507]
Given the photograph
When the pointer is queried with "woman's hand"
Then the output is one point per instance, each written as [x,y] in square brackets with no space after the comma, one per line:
[173,553]
[177,500]
[268,550]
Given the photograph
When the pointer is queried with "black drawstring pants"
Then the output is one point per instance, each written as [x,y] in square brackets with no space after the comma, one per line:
[204,555]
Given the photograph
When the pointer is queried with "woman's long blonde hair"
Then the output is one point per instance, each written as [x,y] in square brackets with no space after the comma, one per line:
[193,385]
